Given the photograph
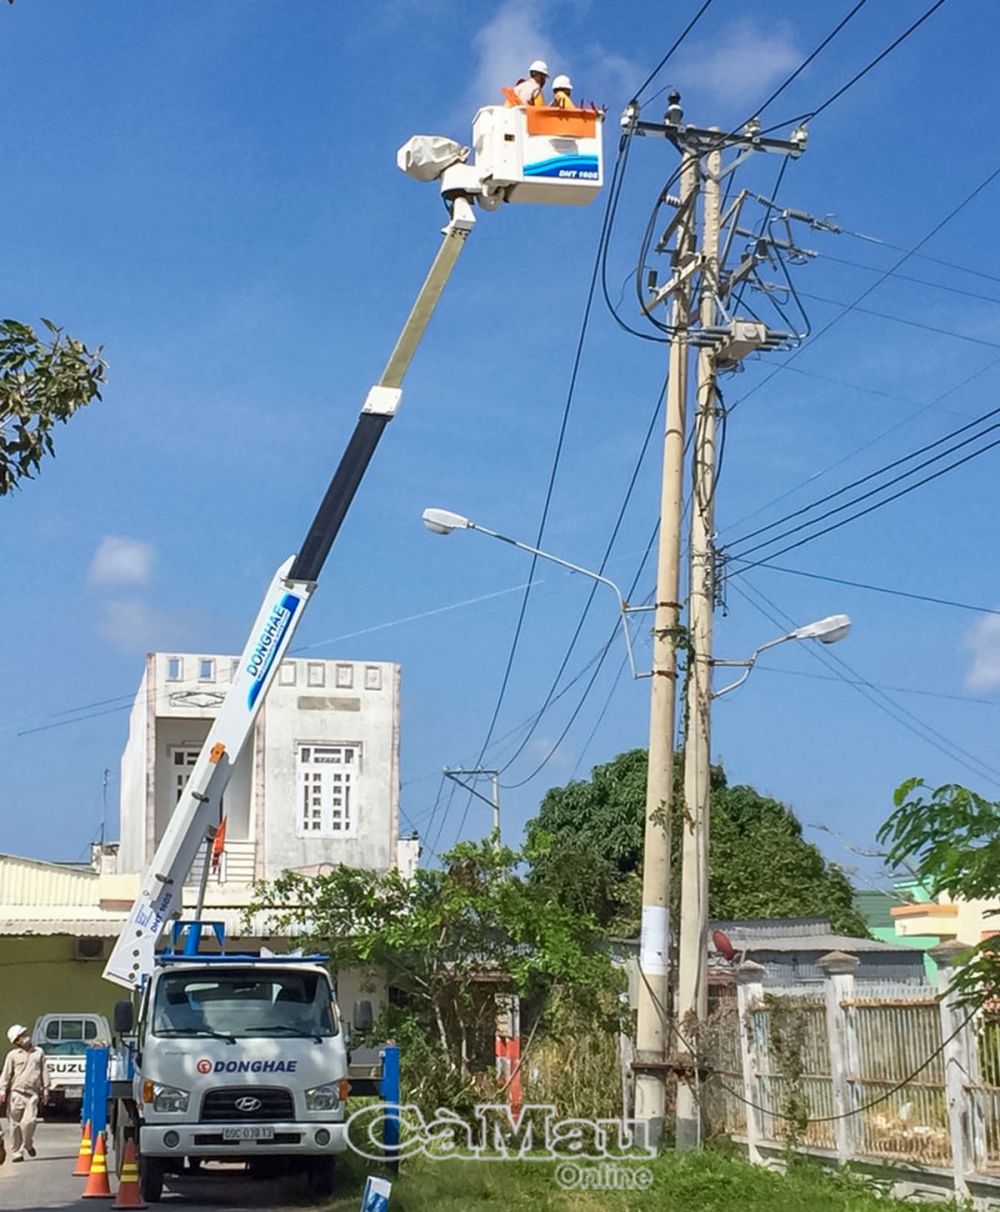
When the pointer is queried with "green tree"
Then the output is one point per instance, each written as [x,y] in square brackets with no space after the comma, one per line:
[445,936]
[41,383]
[585,847]
[948,838]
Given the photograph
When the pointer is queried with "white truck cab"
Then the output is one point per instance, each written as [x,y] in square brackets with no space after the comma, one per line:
[65,1038]
[239,1059]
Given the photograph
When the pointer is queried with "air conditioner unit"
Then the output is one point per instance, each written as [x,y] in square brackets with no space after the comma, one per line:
[88,948]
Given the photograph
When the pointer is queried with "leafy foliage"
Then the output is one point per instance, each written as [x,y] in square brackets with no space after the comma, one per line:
[41,382]
[447,938]
[949,838]
[585,846]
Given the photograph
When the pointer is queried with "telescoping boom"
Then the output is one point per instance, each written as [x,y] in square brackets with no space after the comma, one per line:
[427,158]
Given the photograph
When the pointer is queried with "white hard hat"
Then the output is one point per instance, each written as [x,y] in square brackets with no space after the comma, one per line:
[538,65]
[14,1033]
[563,82]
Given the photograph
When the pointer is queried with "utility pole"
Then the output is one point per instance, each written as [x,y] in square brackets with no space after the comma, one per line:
[721,346]
[692,991]
[453,772]
[653,1022]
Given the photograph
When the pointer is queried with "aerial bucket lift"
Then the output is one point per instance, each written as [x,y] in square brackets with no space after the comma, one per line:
[545,156]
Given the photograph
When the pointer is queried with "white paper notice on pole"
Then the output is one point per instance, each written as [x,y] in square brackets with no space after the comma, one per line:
[654,940]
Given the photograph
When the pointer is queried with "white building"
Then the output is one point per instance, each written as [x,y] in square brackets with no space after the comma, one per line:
[316,785]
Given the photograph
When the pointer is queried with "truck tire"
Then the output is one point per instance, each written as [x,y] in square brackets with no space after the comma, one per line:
[151,1170]
[320,1177]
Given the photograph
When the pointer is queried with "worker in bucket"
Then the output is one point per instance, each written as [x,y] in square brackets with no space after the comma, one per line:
[562,90]
[24,1085]
[530,91]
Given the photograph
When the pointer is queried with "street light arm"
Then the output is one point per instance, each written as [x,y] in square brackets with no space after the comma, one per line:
[826,631]
[443,521]
[586,572]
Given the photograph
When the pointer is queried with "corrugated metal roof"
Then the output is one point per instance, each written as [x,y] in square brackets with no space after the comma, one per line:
[33,882]
[49,920]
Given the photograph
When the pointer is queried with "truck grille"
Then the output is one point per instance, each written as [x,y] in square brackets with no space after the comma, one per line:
[219,1105]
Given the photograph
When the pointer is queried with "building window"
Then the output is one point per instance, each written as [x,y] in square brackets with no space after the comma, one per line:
[182,760]
[373,677]
[175,669]
[345,677]
[316,673]
[206,670]
[328,790]
[286,674]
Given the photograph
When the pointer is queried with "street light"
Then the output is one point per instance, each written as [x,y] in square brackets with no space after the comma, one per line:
[828,631]
[443,521]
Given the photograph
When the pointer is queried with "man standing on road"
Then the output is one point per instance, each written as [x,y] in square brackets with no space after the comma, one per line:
[24,1083]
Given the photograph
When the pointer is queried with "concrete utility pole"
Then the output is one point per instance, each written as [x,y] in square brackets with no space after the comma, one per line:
[721,346]
[692,990]
[652,1023]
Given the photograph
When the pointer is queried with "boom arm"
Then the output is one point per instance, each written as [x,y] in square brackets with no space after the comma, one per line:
[160,897]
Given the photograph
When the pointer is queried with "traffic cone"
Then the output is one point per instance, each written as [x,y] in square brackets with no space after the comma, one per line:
[97,1181]
[85,1154]
[129,1194]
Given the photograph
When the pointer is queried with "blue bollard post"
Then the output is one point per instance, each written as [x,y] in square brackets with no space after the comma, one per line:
[390,1092]
[100,1085]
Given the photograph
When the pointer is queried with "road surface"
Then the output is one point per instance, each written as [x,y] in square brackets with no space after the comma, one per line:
[46,1183]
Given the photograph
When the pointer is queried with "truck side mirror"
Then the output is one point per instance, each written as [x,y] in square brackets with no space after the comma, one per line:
[361,1019]
[124,1018]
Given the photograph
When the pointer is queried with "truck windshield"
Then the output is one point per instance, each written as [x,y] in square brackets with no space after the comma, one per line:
[242,1004]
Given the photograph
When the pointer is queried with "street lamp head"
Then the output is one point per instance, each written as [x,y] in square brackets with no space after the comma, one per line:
[443,521]
[828,631]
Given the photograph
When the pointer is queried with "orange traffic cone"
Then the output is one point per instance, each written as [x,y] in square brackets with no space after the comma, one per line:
[97,1182]
[85,1154]
[129,1194]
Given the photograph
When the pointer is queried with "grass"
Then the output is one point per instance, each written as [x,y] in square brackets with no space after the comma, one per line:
[689,1182]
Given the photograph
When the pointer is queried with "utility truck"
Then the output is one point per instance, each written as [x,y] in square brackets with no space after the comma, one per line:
[243,1057]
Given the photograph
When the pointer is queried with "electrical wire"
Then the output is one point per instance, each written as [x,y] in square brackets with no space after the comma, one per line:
[896,593]
[880,471]
[670,53]
[871,508]
[609,211]
[595,585]
[884,315]
[928,694]
[873,269]
[858,76]
[849,307]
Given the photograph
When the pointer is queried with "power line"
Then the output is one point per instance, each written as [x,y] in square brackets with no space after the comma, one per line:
[873,269]
[860,75]
[595,586]
[670,53]
[871,508]
[930,694]
[849,307]
[883,315]
[871,441]
[896,593]
[913,454]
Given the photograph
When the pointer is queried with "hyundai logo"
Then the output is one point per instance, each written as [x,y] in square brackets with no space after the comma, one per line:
[248,1104]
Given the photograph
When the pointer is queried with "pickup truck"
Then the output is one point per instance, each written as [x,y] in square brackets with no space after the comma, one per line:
[65,1038]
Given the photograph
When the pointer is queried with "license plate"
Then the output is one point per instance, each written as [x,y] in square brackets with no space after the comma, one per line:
[248,1133]
[73,1092]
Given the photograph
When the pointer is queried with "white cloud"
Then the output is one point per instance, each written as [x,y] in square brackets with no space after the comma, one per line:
[506,45]
[121,562]
[742,63]
[130,626]
[983,641]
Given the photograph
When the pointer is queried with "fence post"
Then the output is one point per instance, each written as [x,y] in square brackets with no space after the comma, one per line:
[961,1069]
[838,969]
[750,993]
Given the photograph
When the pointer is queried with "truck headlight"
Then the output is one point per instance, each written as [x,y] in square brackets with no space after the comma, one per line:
[324,1098]
[169,1098]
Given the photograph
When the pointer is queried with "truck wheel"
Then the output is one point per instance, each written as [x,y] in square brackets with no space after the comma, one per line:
[320,1177]
[151,1170]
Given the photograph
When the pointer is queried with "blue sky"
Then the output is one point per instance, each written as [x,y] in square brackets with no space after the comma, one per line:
[208,189]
